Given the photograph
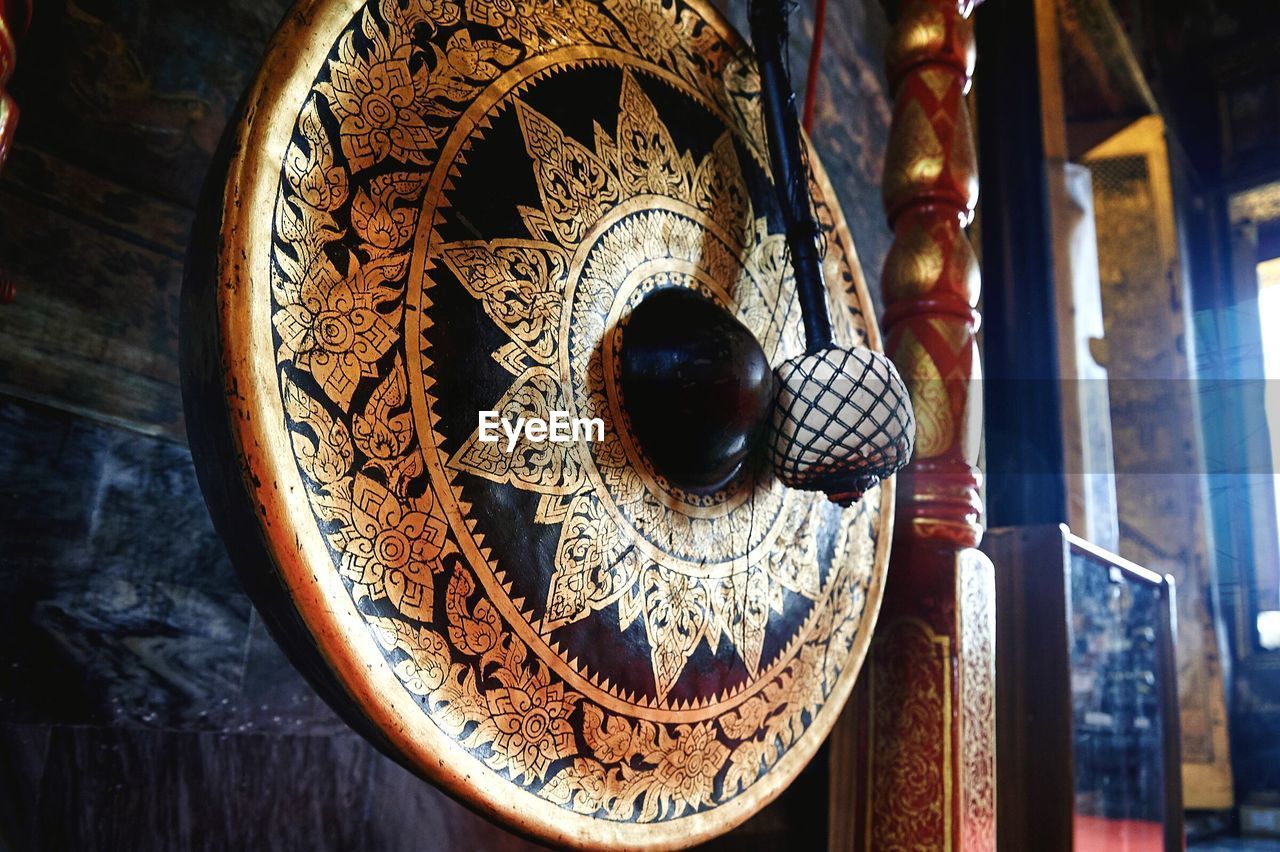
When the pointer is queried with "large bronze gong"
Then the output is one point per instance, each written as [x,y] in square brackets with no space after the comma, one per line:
[433,208]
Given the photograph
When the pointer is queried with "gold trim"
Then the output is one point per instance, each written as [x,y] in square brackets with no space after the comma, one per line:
[975,641]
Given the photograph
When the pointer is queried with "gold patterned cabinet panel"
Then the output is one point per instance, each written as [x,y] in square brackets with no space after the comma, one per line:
[977,685]
[918,741]
[908,784]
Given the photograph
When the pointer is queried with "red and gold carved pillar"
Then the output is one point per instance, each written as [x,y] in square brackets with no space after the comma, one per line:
[14,17]
[925,706]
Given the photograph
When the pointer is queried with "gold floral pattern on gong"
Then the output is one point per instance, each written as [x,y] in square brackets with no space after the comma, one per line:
[643,214]
[368,138]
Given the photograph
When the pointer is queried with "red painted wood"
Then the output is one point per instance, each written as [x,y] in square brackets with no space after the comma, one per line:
[927,696]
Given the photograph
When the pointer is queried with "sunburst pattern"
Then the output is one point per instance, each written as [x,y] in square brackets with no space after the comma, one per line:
[602,497]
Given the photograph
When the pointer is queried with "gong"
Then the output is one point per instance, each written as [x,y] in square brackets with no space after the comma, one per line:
[431,209]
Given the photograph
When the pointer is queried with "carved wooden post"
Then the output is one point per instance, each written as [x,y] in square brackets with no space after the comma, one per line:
[14,17]
[925,708]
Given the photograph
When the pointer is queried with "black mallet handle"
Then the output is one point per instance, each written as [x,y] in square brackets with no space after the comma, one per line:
[769,32]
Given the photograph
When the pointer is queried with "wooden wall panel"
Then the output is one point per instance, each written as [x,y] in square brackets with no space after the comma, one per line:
[98,268]
[123,104]
[114,788]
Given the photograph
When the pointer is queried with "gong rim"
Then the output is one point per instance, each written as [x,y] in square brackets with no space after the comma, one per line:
[341,640]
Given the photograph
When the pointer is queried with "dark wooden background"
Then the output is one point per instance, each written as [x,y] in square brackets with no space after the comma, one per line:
[142,703]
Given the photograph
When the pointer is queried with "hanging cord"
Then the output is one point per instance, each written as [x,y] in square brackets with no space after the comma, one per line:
[790,167]
[815,54]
